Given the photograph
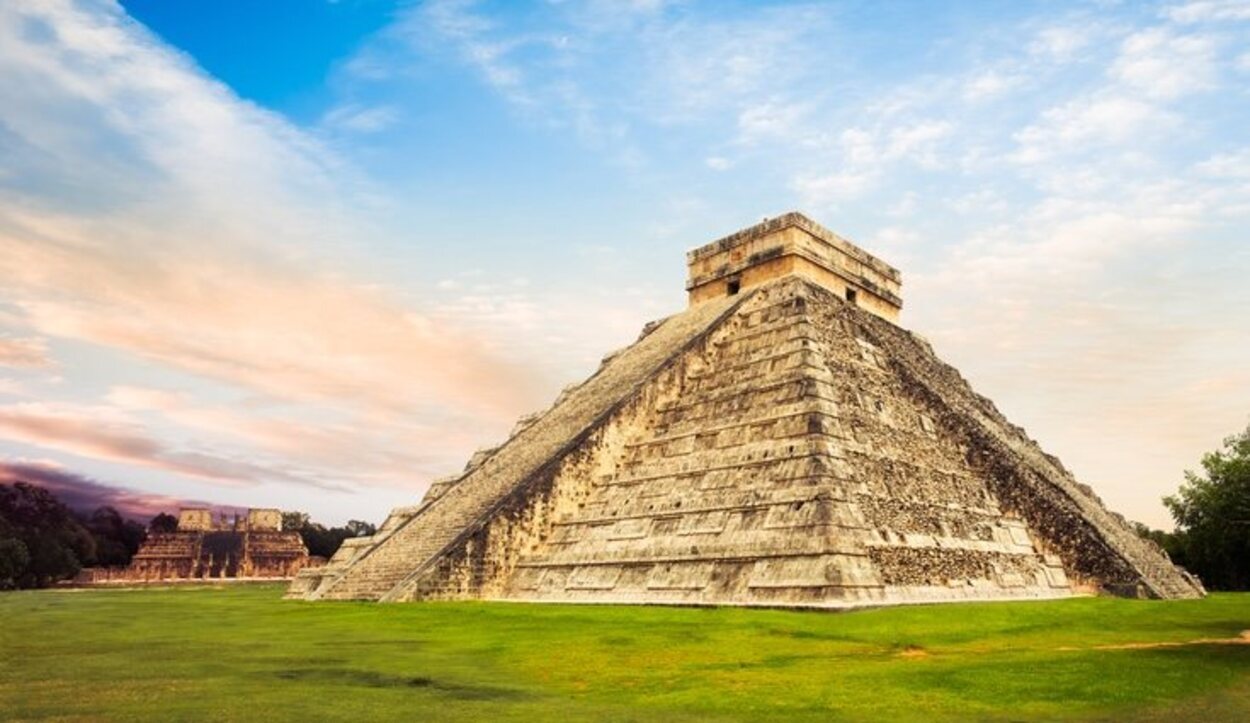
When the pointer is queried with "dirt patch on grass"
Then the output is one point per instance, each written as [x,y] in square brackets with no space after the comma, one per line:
[913,652]
[1242,639]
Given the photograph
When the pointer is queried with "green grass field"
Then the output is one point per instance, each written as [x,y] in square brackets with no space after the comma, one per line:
[242,653]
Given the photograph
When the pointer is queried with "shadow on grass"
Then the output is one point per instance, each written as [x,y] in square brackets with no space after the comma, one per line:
[374,679]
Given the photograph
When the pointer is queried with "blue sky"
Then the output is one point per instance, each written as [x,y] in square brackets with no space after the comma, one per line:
[312,254]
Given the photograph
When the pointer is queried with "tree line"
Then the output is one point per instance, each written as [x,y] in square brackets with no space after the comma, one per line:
[42,541]
[320,540]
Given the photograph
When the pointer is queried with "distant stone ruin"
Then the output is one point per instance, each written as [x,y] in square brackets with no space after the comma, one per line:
[781,442]
[206,548]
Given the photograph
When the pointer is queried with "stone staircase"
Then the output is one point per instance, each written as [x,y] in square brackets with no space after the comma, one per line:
[383,572]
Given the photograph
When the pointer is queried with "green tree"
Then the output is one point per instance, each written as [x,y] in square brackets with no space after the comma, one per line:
[56,544]
[320,540]
[292,520]
[1212,514]
[14,558]
[163,523]
[117,539]
[360,528]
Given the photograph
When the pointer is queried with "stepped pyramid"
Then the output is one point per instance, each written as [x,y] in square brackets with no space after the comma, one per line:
[781,442]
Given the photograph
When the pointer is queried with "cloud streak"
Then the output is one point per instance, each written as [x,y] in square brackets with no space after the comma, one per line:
[85,494]
[26,353]
[104,434]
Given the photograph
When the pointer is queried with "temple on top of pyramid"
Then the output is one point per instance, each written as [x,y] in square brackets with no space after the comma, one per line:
[793,244]
[780,442]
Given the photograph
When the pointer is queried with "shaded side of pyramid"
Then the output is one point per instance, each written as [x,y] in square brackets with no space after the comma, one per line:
[783,443]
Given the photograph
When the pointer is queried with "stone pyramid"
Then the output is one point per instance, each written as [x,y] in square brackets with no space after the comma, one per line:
[782,442]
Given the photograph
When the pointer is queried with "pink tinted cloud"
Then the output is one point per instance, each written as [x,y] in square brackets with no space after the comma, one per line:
[291,332]
[85,494]
[26,353]
[101,433]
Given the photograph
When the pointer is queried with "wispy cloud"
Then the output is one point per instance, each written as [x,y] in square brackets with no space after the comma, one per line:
[1209,11]
[24,352]
[360,119]
[105,434]
[85,494]
[1162,64]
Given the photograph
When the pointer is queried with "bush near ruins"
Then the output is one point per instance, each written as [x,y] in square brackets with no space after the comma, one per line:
[1212,513]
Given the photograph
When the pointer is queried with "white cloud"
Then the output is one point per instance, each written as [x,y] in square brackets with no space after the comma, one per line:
[989,84]
[1234,165]
[1159,64]
[1092,121]
[906,206]
[718,163]
[1209,11]
[1060,43]
[859,147]
[827,190]
[982,203]
[773,120]
[918,142]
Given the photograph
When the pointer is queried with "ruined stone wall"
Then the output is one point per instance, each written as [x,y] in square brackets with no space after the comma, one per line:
[165,556]
[195,519]
[264,519]
[272,553]
[215,554]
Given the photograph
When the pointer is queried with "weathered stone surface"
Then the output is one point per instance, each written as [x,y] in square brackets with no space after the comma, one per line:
[773,445]
[255,546]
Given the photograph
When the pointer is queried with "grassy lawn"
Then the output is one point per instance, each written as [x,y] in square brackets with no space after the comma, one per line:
[242,653]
